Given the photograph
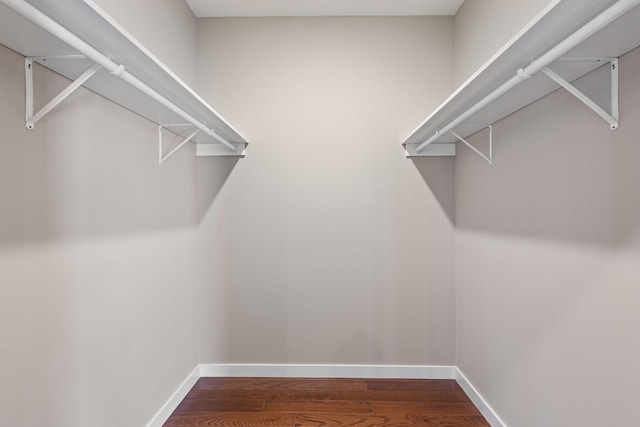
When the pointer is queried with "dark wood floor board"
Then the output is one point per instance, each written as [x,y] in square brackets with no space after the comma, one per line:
[320,406]
[413,385]
[402,395]
[391,420]
[340,384]
[280,384]
[232,419]
[308,402]
[282,395]
[255,384]
[352,420]
[198,404]
[432,408]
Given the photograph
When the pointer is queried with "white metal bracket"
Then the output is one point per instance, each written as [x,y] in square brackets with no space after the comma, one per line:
[161,158]
[613,118]
[489,158]
[202,150]
[30,118]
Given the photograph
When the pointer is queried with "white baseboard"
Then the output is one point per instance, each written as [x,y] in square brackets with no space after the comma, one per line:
[167,409]
[487,411]
[328,371]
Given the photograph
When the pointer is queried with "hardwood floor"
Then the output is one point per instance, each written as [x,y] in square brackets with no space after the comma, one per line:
[304,402]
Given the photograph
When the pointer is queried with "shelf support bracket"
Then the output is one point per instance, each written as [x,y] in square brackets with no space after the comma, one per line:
[161,158]
[488,159]
[30,118]
[613,118]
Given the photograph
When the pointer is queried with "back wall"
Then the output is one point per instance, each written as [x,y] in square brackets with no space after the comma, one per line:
[329,245]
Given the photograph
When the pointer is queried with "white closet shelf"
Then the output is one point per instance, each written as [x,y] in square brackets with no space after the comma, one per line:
[90,24]
[503,85]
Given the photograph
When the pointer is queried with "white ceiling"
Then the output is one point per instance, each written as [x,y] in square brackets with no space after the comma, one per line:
[212,8]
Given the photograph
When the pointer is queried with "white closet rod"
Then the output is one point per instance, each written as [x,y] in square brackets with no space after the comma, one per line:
[599,22]
[48,24]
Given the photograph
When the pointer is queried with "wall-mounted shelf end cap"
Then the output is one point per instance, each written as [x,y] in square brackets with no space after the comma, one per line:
[218,150]
[432,150]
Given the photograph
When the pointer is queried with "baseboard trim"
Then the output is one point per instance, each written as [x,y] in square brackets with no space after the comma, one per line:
[328,371]
[167,409]
[427,372]
[485,409]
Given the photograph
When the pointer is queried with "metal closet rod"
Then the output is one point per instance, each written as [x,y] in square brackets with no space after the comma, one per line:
[57,30]
[592,27]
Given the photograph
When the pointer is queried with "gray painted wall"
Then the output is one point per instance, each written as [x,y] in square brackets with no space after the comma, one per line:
[482,27]
[547,242]
[324,245]
[97,247]
[167,28]
[329,246]
[547,248]
[100,274]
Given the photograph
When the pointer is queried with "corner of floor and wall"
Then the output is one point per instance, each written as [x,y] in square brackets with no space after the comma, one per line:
[324,251]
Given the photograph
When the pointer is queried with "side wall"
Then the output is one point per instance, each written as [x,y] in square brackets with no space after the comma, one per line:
[167,28]
[547,249]
[329,246]
[484,26]
[98,256]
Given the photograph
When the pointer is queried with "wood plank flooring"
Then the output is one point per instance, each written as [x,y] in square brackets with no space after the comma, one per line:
[305,402]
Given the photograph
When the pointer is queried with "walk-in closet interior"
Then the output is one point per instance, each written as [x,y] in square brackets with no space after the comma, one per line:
[369,193]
